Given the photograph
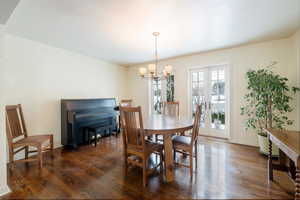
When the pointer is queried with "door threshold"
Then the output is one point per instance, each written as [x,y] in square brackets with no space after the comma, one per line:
[215,137]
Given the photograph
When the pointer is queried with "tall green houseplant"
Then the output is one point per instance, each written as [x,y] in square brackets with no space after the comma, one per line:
[267,101]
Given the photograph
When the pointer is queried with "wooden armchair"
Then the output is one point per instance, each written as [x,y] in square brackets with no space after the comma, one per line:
[126,102]
[18,139]
[186,144]
[137,149]
[170,109]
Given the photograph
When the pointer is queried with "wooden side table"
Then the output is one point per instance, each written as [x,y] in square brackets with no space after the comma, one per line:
[288,143]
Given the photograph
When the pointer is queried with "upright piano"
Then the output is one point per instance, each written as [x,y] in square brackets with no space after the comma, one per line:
[76,114]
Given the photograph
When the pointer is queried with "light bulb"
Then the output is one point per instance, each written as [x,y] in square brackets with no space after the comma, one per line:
[143,71]
[168,68]
[152,68]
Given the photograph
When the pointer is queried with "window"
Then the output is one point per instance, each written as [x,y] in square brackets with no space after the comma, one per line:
[161,91]
[156,96]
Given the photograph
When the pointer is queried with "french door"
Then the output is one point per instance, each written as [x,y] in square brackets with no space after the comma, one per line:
[208,87]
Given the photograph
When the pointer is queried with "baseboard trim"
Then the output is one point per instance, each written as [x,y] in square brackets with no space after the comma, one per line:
[4,190]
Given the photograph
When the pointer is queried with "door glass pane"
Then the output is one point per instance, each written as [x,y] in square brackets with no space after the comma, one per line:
[198,94]
[194,76]
[217,99]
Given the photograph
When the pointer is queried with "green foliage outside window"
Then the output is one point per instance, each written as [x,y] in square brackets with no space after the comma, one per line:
[218,116]
[170,88]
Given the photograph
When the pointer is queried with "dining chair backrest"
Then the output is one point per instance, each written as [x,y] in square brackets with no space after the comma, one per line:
[15,123]
[132,122]
[126,102]
[196,125]
[171,108]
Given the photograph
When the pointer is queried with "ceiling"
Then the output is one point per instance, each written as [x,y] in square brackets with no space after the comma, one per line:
[120,31]
[6,8]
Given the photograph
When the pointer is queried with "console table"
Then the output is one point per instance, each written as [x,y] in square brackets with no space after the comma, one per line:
[288,143]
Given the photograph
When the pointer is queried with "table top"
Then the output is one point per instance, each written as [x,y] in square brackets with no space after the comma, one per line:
[164,124]
[290,139]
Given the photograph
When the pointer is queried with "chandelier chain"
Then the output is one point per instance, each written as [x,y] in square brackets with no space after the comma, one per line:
[156,54]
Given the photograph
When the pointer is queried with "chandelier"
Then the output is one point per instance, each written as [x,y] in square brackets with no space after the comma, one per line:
[152,71]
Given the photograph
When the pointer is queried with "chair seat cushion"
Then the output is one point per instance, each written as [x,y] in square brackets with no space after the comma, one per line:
[36,139]
[181,140]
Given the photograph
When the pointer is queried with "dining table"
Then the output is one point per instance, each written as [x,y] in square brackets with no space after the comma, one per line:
[167,126]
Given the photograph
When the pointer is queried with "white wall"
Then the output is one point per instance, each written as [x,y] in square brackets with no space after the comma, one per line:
[38,76]
[240,60]
[296,39]
[3,180]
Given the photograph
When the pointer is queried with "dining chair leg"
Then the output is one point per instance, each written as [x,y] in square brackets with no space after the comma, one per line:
[52,145]
[191,163]
[125,165]
[144,171]
[174,155]
[196,154]
[161,159]
[40,156]
[26,152]
[11,157]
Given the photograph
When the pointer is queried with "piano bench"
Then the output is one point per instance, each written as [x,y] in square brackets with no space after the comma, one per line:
[93,129]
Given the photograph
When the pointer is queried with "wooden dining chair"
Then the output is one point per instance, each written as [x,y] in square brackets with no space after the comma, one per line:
[186,144]
[137,149]
[126,102]
[18,139]
[170,109]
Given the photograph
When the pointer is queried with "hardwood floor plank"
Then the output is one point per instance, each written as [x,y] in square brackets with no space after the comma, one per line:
[224,171]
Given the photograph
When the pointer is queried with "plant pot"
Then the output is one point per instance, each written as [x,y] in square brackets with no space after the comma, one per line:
[264,146]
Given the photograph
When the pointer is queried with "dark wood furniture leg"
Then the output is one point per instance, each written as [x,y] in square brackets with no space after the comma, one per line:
[94,132]
[119,126]
[88,134]
[297,184]
[73,137]
[270,164]
[95,138]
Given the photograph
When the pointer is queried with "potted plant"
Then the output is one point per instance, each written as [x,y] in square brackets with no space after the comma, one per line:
[267,104]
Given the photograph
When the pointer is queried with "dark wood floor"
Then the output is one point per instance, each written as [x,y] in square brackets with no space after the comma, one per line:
[224,171]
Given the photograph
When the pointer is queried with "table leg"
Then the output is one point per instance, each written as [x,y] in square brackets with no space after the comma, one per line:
[168,157]
[270,164]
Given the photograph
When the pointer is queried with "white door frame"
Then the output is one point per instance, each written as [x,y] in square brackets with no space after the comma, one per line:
[227,92]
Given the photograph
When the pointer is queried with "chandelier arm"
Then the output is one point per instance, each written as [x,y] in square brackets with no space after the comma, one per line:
[154,74]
